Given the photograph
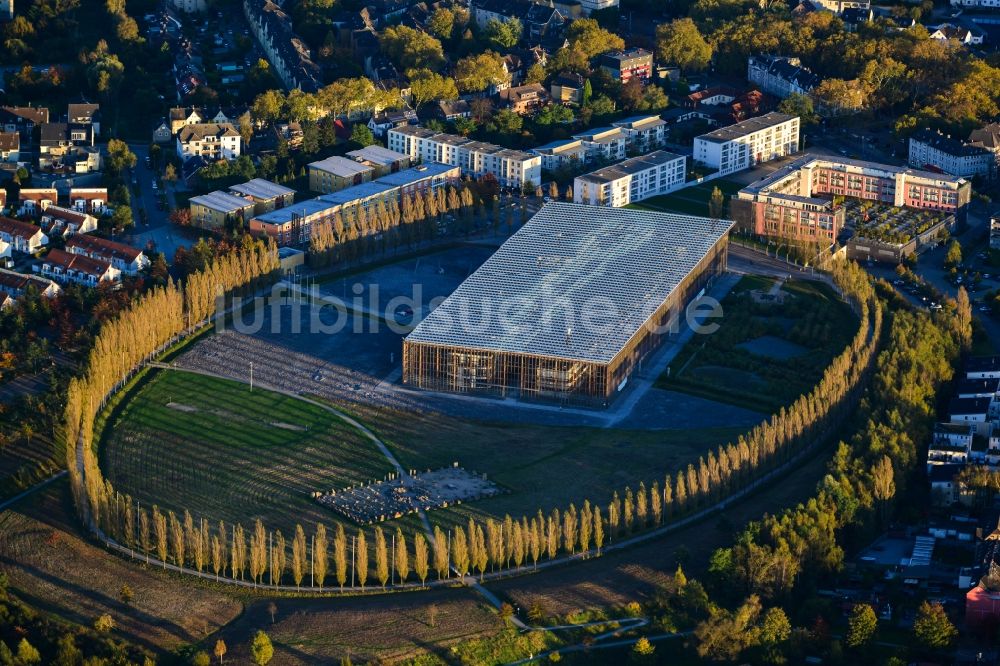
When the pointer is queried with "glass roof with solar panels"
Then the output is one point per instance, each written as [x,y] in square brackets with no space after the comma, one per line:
[576,282]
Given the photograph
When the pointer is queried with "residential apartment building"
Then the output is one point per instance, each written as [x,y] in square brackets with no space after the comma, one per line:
[383,160]
[988,137]
[382,122]
[23,119]
[124,258]
[336,173]
[16,284]
[781,76]
[608,143]
[293,224]
[66,267]
[22,236]
[624,66]
[289,57]
[511,168]
[34,200]
[632,180]
[212,141]
[525,99]
[567,88]
[934,150]
[66,221]
[216,210]
[88,199]
[785,204]
[564,153]
[643,133]
[265,195]
[85,114]
[537,20]
[951,444]
[741,146]
[840,6]
[10,147]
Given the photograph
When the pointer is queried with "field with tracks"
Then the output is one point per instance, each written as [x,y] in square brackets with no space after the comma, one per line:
[213,447]
[541,467]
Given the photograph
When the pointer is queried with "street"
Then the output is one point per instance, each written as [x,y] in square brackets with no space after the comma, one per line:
[930,267]
[152,225]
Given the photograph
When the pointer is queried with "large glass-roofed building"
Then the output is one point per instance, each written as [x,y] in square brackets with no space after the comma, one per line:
[568,306]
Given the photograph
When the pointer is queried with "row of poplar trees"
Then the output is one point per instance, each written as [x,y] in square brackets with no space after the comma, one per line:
[149,324]
[358,231]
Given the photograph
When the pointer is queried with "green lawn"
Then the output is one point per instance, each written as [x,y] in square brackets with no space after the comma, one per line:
[228,454]
[730,367]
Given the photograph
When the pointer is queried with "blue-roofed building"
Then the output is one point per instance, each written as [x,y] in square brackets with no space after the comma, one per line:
[292,225]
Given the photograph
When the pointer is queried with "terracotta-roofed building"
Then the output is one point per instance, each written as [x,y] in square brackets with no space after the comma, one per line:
[66,221]
[125,258]
[76,268]
[22,119]
[23,236]
[88,199]
[10,147]
[36,200]
[525,99]
[982,603]
[15,284]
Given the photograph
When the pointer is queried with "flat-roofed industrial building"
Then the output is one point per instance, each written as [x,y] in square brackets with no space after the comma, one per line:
[569,306]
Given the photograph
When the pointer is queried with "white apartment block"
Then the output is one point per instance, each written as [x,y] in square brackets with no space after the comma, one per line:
[511,168]
[954,157]
[213,141]
[567,152]
[608,143]
[643,133]
[741,146]
[633,180]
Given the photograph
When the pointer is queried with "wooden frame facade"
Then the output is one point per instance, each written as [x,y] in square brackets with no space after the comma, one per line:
[526,376]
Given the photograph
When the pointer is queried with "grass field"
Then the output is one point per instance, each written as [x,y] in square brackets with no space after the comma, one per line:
[541,466]
[689,201]
[734,365]
[211,446]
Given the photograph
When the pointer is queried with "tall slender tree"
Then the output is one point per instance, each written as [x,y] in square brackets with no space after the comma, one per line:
[320,555]
[420,557]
